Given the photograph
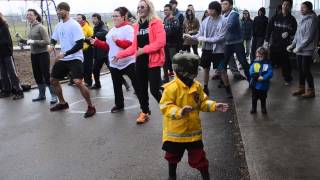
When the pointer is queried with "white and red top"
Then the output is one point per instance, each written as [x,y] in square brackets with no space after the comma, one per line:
[124,35]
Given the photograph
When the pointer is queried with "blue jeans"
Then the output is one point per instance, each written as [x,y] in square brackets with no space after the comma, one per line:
[241,56]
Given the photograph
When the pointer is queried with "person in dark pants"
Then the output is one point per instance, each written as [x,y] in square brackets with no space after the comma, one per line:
[100,56]
[148,46]
[304,45]
[261,73]
[260,24]
[246,29]
[233,38]
[87,49]
[280,33]
[120,37]
[172,28]
[10,81]
[180,17]
[38,39]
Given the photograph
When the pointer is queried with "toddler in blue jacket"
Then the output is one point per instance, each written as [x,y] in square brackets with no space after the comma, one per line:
[260,75]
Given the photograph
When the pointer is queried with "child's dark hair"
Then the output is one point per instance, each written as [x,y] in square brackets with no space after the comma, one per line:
[230,1]
[262,51]
[39,19]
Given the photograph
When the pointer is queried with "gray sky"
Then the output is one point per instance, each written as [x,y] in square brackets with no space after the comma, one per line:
[103,6]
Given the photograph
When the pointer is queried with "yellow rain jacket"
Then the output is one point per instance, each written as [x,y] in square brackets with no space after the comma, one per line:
[88,32]
[176,95]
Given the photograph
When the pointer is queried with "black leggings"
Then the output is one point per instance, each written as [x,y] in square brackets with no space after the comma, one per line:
[147,75]
[304,63]
[41,68]
[117,80]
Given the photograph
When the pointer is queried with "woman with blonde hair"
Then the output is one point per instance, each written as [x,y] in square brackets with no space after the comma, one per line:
[148,47]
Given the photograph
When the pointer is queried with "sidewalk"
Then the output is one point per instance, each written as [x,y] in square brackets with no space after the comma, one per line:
[285,144]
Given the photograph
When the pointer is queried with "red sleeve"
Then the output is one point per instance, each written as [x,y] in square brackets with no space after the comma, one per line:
[124,44]
[101,44]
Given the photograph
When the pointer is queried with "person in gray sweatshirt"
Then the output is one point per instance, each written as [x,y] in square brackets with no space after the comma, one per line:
[304,45]
[38,39]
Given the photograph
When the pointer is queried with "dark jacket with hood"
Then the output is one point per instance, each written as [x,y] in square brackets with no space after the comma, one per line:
[260,24]
[6,47]
[100,31]
[180,17]
[278,25]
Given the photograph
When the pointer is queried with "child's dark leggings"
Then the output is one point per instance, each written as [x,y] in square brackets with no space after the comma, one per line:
[259,94]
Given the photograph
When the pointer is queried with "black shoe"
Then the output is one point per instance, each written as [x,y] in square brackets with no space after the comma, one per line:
[253,111]
[206,90]
[96,86]
[205,175]
[5,94]
[116,109]
[18,96]
[60,107]
[90,112]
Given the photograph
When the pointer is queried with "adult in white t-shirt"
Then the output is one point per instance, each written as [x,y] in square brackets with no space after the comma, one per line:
[120,37]
[70,36]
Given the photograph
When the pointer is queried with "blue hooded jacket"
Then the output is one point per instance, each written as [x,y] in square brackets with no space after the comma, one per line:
[264,69]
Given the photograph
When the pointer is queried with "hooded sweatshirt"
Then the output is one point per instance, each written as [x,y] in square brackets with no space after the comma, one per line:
[278,25]
[260,24]
[233,34]
[307,35]
[100,31]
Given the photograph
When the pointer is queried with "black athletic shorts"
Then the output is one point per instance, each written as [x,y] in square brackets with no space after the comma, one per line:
[62,68]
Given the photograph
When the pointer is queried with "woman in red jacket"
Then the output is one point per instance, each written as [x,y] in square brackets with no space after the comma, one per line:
[148,47]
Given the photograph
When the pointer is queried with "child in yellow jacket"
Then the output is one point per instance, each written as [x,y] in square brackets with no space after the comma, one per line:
[182,100]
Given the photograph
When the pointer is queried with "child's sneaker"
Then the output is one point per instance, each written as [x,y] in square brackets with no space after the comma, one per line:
[142,118]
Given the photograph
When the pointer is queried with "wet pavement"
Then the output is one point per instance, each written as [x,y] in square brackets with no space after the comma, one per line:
[38,144]
[285,143]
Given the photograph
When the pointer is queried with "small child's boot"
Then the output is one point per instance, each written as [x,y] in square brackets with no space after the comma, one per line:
[172,171]
[254,106]
[264,106]
[205,175]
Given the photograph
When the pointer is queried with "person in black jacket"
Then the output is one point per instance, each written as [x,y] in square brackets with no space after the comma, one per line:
[100,56]
[260,24]
[280,33]
[10,81]
[180,17]
[172,28]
